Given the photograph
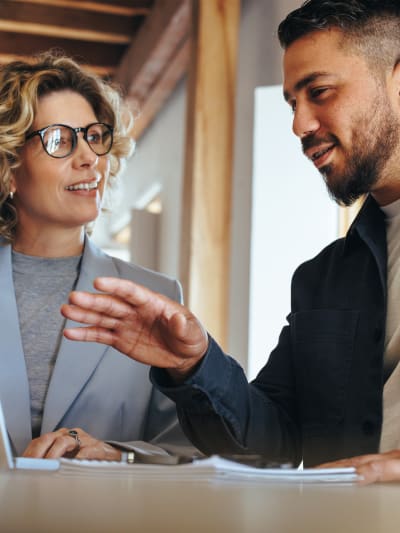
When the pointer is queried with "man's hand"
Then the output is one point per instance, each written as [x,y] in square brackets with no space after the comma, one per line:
[140,323]
[379,467]
[61,443]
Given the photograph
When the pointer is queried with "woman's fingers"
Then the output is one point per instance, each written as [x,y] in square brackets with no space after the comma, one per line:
[71,443]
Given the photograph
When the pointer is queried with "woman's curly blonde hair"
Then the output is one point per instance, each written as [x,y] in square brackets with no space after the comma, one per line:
[22,84]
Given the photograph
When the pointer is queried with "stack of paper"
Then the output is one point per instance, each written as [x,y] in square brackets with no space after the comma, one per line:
[210,468]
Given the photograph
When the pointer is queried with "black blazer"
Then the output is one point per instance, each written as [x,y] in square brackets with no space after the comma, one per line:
[319,397]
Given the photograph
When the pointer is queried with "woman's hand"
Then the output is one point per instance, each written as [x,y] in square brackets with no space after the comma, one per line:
[71,443]
[140,323]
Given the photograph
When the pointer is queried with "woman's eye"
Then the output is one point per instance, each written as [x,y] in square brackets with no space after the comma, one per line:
[94,138]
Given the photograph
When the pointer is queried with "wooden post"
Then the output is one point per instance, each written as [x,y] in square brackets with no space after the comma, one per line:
[206,217]
[348,214]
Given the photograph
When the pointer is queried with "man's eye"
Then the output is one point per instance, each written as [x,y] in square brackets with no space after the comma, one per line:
[315,93]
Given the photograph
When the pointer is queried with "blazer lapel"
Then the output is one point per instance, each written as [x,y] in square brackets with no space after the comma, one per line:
[14,386]
[76,361]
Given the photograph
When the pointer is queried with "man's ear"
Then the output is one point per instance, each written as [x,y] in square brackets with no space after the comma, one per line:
[396,76]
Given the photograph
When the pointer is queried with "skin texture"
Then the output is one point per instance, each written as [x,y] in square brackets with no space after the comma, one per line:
[51,223]
[338,104]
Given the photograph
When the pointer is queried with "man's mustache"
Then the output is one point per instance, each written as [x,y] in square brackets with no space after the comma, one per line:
[313,141]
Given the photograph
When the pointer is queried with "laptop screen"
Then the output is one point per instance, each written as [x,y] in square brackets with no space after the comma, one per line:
[6,456]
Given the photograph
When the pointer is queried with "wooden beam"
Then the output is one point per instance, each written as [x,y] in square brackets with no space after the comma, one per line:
[63,32]
[104,71]
[206,223]
[91,53]
[156,43]
[348,214]
[71,23]
[115,7]
[175,71]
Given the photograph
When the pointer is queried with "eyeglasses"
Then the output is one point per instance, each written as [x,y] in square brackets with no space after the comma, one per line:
[60,140]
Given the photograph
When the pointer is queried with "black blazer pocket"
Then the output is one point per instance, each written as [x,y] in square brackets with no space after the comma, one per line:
[323,344]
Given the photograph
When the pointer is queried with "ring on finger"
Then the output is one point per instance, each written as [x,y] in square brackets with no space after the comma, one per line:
[74,434]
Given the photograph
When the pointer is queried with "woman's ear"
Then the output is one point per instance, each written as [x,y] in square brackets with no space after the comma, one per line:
[13,187]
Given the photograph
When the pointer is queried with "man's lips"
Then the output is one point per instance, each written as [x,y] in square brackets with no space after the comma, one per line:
[319,155]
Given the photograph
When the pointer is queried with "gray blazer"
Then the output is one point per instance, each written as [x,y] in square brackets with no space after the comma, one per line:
[93,386]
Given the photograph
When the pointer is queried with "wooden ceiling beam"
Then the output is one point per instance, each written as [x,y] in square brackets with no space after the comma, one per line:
[104,71]
[66,22]
[115,7]
[175,71]
[159,38]
[63,32]
[95,54]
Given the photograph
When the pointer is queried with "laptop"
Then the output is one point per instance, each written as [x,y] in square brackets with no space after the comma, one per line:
[9,462]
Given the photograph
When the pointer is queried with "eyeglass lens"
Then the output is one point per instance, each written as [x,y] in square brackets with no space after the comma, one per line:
[60,141]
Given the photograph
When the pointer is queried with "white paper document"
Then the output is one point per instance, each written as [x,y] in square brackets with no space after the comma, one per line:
[211,468]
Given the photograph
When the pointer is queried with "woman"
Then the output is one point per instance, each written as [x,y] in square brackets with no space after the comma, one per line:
[62,144]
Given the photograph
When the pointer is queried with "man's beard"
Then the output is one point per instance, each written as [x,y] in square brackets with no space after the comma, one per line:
[373,142]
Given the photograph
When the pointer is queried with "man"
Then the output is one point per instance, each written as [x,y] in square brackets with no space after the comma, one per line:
[329,389]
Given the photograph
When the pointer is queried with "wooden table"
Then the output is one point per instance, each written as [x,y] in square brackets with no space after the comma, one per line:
[77,503]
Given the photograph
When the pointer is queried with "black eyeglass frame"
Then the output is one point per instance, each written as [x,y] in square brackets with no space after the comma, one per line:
[75,132]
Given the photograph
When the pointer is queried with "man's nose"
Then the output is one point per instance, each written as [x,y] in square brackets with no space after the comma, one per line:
[305,121]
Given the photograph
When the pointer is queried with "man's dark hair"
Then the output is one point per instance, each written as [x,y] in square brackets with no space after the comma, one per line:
[372,25]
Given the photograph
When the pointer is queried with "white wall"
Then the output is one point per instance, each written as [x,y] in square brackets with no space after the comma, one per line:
[259,65]
[293,218]
[156,166]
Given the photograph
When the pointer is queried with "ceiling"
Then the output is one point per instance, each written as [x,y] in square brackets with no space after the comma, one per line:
[141,44]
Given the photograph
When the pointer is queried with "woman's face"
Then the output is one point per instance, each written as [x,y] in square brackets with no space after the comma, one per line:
[46,188]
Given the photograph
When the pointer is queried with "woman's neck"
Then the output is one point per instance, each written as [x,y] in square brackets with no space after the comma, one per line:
[49,243]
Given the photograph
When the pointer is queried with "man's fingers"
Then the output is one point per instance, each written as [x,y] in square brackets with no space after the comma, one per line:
[380,471]
[77,314]
[126,290]
[100,303]
[90,334]
[351,461]
[188,331]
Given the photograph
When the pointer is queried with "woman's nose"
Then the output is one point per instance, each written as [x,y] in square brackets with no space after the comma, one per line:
[84,153]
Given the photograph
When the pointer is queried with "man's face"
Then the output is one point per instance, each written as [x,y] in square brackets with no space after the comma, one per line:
[343,114]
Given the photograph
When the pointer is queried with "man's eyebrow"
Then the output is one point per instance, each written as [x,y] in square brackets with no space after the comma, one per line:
[304,82]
